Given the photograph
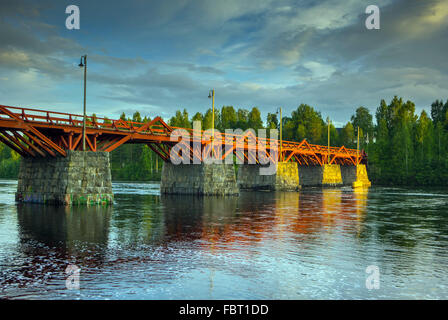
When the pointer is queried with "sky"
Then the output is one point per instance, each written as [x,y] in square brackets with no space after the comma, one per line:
[156,57]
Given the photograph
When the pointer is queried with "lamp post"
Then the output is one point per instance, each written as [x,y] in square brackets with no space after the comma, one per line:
[328,156]
[281,137]
[211,95]
[357,151]
[81,64]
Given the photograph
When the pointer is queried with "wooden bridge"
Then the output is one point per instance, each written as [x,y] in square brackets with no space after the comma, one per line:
[41,133]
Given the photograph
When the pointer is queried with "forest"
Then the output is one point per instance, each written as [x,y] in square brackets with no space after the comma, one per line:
[403,148]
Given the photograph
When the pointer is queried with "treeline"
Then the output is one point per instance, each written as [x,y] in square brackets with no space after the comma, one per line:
[403,148]
[409,149]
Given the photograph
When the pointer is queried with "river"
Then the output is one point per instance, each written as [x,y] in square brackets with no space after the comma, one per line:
[313,244]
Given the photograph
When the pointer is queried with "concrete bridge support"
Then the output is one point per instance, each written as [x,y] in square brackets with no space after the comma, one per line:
[327,176]
[348,174]
[331,175]
[362,180]
[310,176]
[199,179]
[81,178]
[219,179]
[286,178]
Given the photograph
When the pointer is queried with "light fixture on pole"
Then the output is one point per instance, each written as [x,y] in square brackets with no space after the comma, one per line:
[328,155]
[211,95]
[357,150]
[279,110]
[84,65]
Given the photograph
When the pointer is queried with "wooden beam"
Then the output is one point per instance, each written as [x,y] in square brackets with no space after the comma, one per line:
[13,146]
[31,145]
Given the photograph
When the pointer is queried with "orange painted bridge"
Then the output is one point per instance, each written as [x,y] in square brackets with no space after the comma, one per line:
[39,133]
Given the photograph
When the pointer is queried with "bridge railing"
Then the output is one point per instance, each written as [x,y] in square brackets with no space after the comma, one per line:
[62,118]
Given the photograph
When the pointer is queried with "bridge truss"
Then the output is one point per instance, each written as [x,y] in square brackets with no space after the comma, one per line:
[39,133]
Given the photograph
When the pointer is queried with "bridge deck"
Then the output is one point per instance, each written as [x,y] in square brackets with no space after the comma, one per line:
[41,133]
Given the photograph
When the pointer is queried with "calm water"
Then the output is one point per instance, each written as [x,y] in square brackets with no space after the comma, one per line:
[315,244]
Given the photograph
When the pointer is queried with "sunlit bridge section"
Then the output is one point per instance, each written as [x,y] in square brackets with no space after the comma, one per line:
[42,133]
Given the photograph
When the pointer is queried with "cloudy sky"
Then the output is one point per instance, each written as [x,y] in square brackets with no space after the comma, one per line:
[159,56]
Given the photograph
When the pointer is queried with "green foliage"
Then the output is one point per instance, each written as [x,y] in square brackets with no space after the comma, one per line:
[363,119]
[197,117]
[179,120]
[305,123]
[9,162]
[243,118]
[272,121]
[207,122]
[334,136]
[409,149]
[254,119]
[229,118]
[347,136]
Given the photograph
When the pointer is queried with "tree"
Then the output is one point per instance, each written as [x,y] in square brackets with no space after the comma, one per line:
[424,139]
[437,109]
[289,129]
[229,118]
[242,116]
[394,151]
[347,136]
[363,119]
[334,136]
[180,120]
[197,117]
[272,121]
[300,132]
[136,117]
[254,119]
[207,122]
[312,122]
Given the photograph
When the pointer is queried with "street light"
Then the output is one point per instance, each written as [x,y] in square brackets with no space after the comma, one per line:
[281,123]
[357,151]
[81,64]
[328,156]
[211,95]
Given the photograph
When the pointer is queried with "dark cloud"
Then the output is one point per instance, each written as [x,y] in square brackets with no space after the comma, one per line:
[195,68]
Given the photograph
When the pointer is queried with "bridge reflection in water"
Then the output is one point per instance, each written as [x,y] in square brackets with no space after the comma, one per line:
[160,232]
[257,216]
[212,221]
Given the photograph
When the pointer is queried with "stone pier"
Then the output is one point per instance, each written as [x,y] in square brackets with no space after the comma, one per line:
[310,176]
[362,180]
[219,179]
[329,175]
[199,179]
[286,178]
[81,178]
[348,174]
